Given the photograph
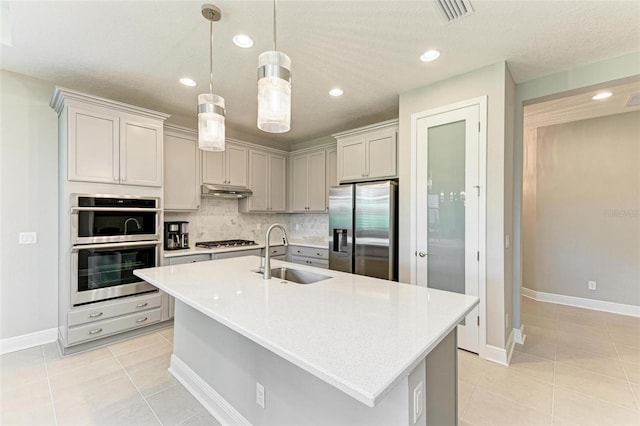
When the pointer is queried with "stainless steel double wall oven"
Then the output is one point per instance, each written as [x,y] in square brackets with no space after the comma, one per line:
[111,236]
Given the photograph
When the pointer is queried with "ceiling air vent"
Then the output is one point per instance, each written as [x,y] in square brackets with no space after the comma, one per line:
[453,9]
[634,100]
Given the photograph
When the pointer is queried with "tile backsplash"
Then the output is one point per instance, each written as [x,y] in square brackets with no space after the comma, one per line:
[219,219]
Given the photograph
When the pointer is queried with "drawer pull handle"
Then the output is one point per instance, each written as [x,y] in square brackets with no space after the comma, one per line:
[299,251]
[318,254]
[95,315]
[142,305]
[142,319]
[96,331]
[274,251]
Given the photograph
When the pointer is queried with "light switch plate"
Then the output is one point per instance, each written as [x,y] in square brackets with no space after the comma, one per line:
[417,402]
[28,238]
[259,394]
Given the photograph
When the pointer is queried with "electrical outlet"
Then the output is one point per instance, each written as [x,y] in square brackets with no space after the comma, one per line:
[417,402]
[258,226]
[27,238]
[592,285]
[259,394]
[297,226]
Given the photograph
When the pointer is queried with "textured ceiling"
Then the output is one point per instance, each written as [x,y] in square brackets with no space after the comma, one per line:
[135,51]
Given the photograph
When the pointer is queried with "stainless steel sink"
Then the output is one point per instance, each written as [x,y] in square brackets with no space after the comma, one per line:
[297,276]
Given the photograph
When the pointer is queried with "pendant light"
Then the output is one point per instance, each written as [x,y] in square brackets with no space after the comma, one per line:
[211,107]
[274,88]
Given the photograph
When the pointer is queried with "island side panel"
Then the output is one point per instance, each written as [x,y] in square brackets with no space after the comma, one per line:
[232,364]
[442,382]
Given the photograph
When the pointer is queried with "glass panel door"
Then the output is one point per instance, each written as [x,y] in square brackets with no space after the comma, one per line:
[446,208]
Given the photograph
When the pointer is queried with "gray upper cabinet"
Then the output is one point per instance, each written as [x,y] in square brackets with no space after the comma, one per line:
[267,180]
[181,169]
[368,153]
[332,172]
[109,142]
[308,181]
[228,167]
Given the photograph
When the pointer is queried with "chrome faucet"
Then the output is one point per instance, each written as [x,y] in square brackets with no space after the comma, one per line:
[267,248]
[126,222]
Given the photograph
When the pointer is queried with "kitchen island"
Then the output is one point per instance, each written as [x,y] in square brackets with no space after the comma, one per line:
[345,350]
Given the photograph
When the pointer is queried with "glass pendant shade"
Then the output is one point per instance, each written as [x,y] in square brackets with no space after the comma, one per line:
[211,122]
[274,92]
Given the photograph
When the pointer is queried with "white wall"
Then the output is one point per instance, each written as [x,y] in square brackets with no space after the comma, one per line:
[29,202]
[586,216]
[493,81]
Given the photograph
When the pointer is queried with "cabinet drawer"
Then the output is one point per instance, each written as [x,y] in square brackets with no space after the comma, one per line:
[237,253]
[111,326]
[275,251]
[318,263]
[189,259]
[113,309]
[309,252]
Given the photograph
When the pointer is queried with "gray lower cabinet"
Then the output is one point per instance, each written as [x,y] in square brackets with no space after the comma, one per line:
[276,252]
[237,253]
[106,318]
[309,256]
[192,258]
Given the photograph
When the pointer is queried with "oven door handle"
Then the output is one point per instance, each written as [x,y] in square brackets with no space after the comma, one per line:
[114,209]
[77,248]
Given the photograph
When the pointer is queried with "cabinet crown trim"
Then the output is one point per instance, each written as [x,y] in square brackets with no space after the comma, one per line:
[62,95]
[364,129]
[172,129]
[307,150]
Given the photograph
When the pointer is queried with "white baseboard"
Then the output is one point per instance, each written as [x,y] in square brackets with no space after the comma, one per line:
[518,335]
[500,355]
[27,341]
[205,394]
[580,302]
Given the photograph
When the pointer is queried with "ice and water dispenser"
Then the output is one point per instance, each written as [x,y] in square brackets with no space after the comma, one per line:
[340,241]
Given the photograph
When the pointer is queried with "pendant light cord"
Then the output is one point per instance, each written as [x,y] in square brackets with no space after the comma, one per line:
[211,57]
[274,25]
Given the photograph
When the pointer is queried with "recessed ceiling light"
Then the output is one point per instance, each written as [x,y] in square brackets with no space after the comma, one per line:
[188,82]
[336,92]
[430,55]
[602,95]
[242,40]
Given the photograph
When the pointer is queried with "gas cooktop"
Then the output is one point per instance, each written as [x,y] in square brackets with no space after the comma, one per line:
[226,243]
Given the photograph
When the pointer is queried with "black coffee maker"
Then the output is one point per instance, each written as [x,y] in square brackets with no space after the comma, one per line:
[176,235]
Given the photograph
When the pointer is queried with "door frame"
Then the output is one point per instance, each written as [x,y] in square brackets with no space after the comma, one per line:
[481,102]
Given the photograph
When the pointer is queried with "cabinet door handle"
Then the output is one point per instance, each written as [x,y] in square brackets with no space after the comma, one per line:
[95,314]
[142,319]
[142,305]
[96,331]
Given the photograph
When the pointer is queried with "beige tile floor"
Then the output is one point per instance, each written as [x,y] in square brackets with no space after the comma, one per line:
[577,367]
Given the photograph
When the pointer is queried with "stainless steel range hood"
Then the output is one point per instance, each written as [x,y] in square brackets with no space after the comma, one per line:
[220,191]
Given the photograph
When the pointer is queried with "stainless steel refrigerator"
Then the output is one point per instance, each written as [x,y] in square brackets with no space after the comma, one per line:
[363,229]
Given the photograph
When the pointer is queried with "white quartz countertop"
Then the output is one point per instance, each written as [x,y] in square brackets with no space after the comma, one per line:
[361,335]
[201,250]
[314,244]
